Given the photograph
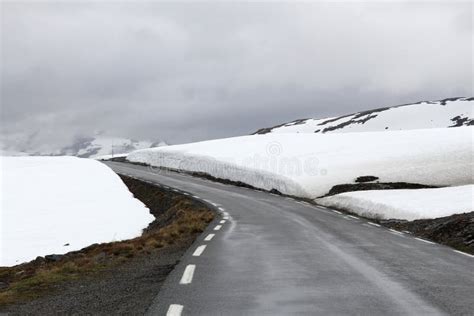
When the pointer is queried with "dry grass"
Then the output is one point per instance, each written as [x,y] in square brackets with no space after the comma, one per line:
[180,220]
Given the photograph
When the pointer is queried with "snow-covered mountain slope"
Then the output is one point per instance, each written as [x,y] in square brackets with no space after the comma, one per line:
[88,147]
[94,147]
[405,204]
[60,204]
[309,165]
[453,112]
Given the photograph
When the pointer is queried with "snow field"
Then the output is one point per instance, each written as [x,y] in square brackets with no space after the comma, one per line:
[48,202]
[405,204]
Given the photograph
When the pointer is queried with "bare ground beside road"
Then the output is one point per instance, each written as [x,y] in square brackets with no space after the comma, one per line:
[112,278]
[456,231]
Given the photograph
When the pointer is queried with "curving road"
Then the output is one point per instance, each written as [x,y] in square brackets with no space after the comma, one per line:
[277,256]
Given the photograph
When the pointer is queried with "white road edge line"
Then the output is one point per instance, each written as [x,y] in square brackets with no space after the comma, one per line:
[354,217]
[336,212]
[175,310]
[218,227]
[426,241]
[221,209]
[188,274]
[209,237]
[199,250]
[464,253]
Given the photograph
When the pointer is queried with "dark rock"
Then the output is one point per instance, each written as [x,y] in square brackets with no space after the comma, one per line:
[366,179]
[3,285]
[53,258]
[275,191]
[341,188]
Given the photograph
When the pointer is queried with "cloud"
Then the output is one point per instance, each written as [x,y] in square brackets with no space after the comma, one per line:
[192,71]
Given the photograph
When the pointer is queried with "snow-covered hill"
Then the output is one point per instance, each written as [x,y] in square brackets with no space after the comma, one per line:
[452,112]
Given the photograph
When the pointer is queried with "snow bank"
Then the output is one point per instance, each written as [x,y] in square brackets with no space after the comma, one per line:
[48,202]
[405,204]
[309,165]
[422,115]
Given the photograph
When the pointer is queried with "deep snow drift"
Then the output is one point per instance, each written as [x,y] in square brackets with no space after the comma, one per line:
[451,112]
[405,204]
[48,202]
[309,165]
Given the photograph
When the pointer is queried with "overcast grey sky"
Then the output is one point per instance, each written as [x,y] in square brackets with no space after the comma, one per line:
[191,71]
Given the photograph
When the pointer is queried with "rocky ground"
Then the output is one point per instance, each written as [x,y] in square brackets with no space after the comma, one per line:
[456,231]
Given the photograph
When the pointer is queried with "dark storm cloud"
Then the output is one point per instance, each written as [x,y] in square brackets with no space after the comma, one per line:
[191,71]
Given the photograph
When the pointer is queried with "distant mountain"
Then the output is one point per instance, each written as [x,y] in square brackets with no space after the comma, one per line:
[451,112]
[91,147]
[95,147]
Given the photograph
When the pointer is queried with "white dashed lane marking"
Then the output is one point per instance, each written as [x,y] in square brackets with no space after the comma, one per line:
[218,227]
[354,217]
[209,237]
[396,232]
[199,250]
[426,241]
[222,222]
[188,274]
[337,212]
[373,224]
[175,310]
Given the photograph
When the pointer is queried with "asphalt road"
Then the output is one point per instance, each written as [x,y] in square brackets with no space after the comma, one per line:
[278,256]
